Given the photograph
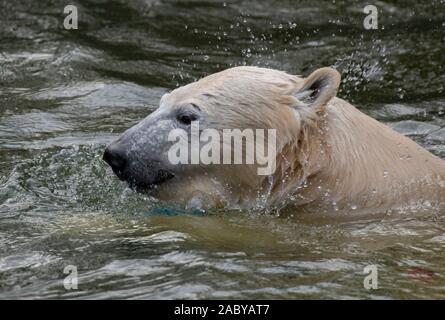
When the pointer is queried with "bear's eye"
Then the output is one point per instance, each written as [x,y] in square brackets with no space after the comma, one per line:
[186,118]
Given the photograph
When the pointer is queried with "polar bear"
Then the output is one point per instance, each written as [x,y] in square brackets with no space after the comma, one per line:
[328,154]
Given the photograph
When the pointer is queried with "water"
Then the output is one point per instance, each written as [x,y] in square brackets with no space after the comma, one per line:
[65,94]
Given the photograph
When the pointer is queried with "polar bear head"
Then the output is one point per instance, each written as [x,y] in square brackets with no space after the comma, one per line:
[160,155]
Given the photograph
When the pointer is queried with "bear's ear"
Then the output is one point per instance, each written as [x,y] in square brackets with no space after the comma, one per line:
[317,89]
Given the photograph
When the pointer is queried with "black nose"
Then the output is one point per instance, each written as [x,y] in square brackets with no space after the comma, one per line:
[116,158]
